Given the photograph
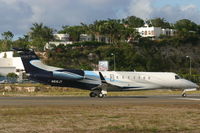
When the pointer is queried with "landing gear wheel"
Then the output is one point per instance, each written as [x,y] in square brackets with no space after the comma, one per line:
[101,95]
[184,95]
[92,94]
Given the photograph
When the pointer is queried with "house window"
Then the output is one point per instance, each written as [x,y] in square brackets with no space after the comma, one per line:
[152,32]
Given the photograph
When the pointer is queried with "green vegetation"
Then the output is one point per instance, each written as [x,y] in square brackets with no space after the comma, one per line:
[141,54]
[159,22]
[12,75]
[145,56]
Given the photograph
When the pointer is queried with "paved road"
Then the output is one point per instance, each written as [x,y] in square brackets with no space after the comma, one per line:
[113,100]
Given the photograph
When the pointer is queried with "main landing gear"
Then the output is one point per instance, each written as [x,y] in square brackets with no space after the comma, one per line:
[98,93]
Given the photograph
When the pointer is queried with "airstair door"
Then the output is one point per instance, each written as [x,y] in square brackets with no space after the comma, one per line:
[112,77]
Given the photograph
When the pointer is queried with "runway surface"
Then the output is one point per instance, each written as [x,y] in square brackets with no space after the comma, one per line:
[110,100]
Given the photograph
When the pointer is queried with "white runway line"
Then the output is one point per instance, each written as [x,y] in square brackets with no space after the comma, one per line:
[193,99]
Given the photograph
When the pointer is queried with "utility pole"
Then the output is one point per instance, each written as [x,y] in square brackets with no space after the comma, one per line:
[114,61]
[190,64]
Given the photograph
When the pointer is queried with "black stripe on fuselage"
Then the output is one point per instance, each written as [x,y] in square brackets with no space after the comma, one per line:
[131,87]
[64,83]
[74,71]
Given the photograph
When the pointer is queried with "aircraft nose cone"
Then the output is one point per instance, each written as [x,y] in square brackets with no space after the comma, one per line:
[192,85]
[196,86]
[189,84]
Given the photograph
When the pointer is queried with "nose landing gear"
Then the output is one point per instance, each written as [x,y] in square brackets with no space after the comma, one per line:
[183,95]
[186,90]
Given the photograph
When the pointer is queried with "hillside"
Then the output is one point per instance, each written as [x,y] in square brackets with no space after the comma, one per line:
[144,56]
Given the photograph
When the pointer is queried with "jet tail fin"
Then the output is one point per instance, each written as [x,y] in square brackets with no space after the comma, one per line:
[27,55]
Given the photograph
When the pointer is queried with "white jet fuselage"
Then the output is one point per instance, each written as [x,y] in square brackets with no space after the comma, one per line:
[128,81]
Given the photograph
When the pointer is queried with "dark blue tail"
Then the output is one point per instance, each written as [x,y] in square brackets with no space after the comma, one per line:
[27,56]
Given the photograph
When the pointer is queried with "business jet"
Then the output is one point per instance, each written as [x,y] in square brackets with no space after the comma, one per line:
[101,82]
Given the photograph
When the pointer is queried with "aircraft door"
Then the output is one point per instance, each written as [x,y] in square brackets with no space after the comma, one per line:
[112,77]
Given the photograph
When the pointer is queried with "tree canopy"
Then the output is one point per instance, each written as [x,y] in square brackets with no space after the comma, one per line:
[7,35]
[40,34]
[186,25]
[74,31]
[159,22]
[133,22]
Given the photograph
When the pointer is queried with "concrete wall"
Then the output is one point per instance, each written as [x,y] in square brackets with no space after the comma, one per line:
[10,64]
[17,62]
[8,54]
[6,62]
[5,70]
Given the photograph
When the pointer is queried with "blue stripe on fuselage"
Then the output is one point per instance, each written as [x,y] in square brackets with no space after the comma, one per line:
[91,73]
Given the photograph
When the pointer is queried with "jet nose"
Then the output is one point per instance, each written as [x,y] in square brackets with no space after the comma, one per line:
[195,85]
[191,84]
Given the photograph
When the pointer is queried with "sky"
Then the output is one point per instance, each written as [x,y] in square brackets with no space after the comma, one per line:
[18,16]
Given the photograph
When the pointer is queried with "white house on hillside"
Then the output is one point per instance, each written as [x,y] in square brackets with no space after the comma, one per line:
[50,45]
[98,38]
[155,32]
[10,64]
[102,38]
[61,37]
[85,37]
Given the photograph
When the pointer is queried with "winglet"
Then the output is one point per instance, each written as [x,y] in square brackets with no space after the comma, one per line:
[102,78]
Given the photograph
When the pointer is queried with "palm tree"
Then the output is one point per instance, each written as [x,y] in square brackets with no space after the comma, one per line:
[7,37]
[41,31]
[40,34]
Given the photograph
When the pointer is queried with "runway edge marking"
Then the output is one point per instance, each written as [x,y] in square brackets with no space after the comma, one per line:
[193,99]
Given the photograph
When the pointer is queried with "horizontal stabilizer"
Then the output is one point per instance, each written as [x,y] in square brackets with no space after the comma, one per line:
[69,75]
[21,49]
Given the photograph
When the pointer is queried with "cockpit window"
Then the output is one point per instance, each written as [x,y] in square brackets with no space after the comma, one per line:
[177,77]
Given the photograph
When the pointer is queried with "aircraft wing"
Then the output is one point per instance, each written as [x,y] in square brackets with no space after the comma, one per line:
[107,85]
